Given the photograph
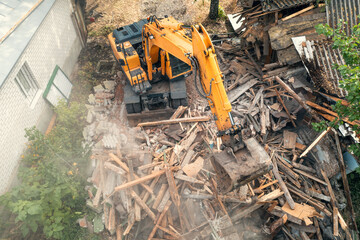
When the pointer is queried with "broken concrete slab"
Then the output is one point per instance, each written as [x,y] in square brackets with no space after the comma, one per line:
[109,85]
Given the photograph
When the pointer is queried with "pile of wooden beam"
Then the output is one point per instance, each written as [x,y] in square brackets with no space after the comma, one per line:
[166,187]
[156,180]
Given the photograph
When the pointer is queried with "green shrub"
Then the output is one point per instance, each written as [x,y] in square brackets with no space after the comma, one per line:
[222,13]
[350,72]
[51,195]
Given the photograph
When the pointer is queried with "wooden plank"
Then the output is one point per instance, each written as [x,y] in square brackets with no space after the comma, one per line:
[51,124]
[96,200]
[174,194]
[345,181]
[167,206]
[258,190]
[278,223]
[277,211]
[159,196]
[188,179]
[298,99]
[286,110]
[316,141]
[164,142]
[112,222]
[139,180]
[318,195]
[263,119]
[344,227]
[304,236]
[174,121]
[335,221]
[164,200]
[300,146]
[310,176]
[342,101]
[119,232]
[283,186]
[114,168]
[237,92]
[310,200]
[168,231]
[131,221]
[125,167]
[245,211]
[286,169]
[179,112]
[318,232]
[300,12]
[239,80]
[334,114]
[308,229]
[143,205]
[287,233]
[329,187]
[256,99]
[254,63]
[150,165]
[145,195]
[289,139]
[303,167]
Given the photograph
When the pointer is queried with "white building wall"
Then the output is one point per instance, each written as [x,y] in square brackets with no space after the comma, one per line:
[54,43]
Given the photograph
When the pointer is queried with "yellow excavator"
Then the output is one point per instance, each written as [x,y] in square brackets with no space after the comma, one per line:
[156,55]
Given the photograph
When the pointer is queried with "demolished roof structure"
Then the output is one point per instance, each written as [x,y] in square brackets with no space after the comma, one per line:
[156,180]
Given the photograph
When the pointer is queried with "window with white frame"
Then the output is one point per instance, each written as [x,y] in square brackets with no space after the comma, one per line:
[27,83]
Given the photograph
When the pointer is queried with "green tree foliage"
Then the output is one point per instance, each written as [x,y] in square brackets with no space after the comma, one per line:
[51,195]
[350,72]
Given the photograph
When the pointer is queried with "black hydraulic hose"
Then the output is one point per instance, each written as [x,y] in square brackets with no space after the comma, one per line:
[195,76]
[196,68]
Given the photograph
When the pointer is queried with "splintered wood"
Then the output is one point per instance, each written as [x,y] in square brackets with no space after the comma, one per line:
[159,183]
[175,192]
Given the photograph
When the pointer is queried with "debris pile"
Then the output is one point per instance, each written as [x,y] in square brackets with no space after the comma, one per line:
[158,181]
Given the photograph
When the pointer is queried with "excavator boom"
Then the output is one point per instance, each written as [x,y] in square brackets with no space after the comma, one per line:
[198,51]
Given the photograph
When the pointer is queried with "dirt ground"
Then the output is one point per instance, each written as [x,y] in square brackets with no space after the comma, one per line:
[120,12]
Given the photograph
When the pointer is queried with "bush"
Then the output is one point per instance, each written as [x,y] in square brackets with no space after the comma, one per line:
[51,196]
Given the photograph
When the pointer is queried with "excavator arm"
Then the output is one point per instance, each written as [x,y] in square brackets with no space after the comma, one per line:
[198,51]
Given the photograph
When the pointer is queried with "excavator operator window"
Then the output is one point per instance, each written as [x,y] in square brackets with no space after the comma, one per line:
[177,66]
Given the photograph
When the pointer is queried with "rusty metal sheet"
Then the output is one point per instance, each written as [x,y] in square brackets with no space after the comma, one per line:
[319,57]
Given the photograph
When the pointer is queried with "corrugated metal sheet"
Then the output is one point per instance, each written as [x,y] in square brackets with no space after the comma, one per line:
[272,5]
[347,10]
[319,58]
[326,57]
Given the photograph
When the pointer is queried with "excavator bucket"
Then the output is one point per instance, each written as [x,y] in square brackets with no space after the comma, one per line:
[239,168]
